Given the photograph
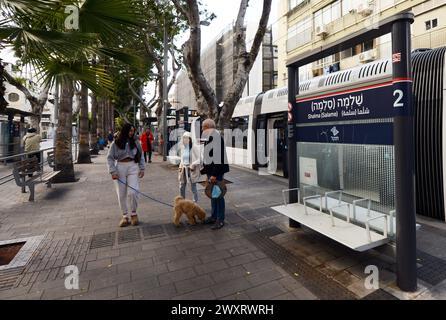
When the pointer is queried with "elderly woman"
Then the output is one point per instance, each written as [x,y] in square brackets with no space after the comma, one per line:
[189,170]
[126,164]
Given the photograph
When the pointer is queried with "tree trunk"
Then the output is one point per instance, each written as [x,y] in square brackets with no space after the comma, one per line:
[84,146]
[100,130]
[242,60]
[94,125]
[63,155]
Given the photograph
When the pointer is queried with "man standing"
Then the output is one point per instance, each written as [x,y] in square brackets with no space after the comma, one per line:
[215,165]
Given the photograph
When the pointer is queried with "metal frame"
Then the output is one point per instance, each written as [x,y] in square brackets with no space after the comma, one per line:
[340,206]
[312,197]
[333,192]
[367,225]
[369,205]
[287,190]
[404,138]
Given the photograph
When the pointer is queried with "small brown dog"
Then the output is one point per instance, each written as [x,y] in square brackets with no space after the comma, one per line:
[189,208]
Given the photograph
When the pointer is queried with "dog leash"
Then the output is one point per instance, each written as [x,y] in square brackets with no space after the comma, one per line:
[144,195]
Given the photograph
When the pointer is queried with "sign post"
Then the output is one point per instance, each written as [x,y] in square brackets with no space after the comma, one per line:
[293,85]
[404,156]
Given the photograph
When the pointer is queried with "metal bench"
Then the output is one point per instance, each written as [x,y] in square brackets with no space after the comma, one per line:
[22,171]
[341,230]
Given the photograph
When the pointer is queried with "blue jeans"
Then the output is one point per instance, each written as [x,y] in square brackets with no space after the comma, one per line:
[218,205]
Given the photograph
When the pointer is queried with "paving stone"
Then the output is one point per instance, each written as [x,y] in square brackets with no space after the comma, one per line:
[237,296]
[266,291]
[202,294]
[183,263]
[304,294]
[161,293]
[154,270]
[175,276]
[98,264]
[241,259]
[193,284]
[211,267]
[216,255]
[104,282]
[101,294]
[230,287]
[263,276]
[228,274]
[141,284]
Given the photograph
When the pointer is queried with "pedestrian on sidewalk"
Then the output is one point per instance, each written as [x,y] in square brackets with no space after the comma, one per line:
[215,166]
[110,137]
[126,165]
[146,143]
[189,169]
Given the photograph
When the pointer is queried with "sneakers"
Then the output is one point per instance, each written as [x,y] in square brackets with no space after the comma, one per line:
[218,225]
[124,222]
[134,220]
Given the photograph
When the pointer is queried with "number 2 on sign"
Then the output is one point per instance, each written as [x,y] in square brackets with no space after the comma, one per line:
[398,102]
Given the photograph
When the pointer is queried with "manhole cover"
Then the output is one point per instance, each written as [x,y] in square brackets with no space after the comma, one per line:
[9,251]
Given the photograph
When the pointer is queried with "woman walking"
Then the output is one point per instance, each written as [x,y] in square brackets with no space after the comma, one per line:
[126,165]
[146,143]
[189,170]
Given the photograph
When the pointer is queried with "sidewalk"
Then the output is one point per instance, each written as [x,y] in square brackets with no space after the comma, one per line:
[255,256]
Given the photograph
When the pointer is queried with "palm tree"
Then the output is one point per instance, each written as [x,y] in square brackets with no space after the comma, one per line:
[84,145]
[94,125]
[34,32]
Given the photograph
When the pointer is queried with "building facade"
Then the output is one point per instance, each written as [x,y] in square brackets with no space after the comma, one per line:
[306,25]
[217,65]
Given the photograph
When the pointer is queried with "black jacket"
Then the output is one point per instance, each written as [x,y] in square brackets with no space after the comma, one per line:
[211,166]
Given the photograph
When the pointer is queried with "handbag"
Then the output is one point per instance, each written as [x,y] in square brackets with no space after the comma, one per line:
[215,191]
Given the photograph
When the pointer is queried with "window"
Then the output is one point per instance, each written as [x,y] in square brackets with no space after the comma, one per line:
[299,33]
[430,24]
[294,3]
[239,133]
[328,14]
[434,23]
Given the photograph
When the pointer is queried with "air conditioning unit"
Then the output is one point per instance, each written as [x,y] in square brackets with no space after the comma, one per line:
[365,9]
[321,31]
[367,56]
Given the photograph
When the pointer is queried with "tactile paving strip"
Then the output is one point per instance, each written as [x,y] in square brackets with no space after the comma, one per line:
[315,281]
[380,294]
[153,231]
[432,270]
[102,240]
[127,236]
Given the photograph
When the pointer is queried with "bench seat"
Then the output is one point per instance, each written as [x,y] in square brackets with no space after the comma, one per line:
[348,234]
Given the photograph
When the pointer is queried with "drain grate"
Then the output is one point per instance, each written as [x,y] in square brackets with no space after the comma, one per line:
[250,215]
[312,279]
[153,231]
[380,294]
[9,277]
[127,236]
[267,212]
[432,270]
[102,240]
